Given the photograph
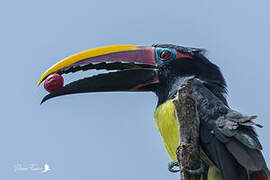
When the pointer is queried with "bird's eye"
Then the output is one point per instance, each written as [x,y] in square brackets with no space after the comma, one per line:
[165,55]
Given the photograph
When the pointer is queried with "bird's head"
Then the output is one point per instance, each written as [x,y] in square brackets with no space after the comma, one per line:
[156,68]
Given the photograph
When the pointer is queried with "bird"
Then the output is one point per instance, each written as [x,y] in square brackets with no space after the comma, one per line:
[46,168]
[229,145]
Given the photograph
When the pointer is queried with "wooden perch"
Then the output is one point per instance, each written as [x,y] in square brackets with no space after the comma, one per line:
[188,152]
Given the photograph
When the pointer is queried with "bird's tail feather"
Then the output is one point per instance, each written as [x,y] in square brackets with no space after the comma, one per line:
[261,175]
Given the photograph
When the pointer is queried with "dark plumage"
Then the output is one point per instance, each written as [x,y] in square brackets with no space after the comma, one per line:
[227,137]
[172,73]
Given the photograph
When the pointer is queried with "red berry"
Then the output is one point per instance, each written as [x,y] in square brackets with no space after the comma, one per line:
[53,82]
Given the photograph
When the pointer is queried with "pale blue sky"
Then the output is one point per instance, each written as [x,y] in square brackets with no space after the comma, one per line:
[113,135]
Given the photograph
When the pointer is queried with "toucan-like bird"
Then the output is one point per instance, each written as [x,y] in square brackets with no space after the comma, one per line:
[229,144]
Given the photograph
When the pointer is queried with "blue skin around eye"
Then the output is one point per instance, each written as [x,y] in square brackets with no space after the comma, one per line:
[159,50]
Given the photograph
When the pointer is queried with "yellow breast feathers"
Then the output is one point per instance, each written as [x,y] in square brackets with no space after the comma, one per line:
[167,126]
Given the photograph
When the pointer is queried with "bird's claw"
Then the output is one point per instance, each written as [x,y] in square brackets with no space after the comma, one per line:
[172,165]
[199,171]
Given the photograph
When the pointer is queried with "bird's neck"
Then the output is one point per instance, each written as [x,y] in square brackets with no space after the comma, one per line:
[167,90]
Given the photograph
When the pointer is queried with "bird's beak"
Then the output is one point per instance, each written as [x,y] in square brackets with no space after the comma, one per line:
[136,67]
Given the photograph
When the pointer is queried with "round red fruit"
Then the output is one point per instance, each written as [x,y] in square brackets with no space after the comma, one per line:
[53,82]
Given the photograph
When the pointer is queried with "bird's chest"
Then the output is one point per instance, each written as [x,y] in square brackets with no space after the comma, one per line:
[166,123]
[167,126]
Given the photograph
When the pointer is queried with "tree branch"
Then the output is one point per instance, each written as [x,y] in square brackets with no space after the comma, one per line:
[188,152]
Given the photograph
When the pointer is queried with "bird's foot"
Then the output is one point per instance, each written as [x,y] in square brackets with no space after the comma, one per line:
[172,165]
[199,171]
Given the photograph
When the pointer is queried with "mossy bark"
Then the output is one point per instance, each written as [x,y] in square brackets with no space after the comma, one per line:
[188,152]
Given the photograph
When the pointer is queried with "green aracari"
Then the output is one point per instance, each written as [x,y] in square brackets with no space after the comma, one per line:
[229,145]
